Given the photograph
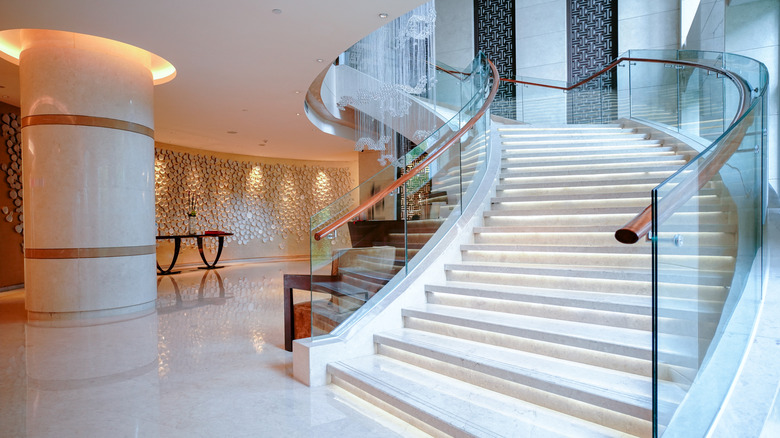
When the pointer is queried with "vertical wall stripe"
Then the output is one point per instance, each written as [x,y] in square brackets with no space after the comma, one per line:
[592,41]
[494,34]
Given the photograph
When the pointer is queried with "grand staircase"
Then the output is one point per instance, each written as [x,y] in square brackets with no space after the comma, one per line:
[544,327]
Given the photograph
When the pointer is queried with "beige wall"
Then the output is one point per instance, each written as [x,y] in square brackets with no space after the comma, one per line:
[752,28]
[11,252]
[267,202]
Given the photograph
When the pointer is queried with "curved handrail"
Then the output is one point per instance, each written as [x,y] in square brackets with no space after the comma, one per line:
[641,224]
[368,203]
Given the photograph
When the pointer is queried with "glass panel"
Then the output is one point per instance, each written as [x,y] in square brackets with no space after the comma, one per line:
[706,295]
[378,247]
[654,93]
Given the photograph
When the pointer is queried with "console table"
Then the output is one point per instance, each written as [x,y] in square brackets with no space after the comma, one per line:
[199,237]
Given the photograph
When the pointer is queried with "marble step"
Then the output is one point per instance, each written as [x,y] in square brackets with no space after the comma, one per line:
[562,153]
[441,405]
[670,273]
[607,163]
[515,139]
[690,239]
[544,127]
[599,188]
[602,340]
[594,183]
[724,254]
[583,256]
[623,192]
[547,205]
[531,377]
[578,172]
[679,316]
[687,287]
[590,156]
[633,210]
[538,133]
[521,180]
[684,220]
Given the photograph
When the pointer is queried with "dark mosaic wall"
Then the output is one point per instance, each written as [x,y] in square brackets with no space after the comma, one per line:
[494,34]
[593,44]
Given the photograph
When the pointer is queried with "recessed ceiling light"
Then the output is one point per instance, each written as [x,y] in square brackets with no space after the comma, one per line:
[297,114]
[276,11]
[319,59]
[232,132]
[383,15]
[297,92]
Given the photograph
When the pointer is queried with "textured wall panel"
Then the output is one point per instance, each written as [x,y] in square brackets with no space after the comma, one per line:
[494,34]
[11,209]
[592,45]
[258,202]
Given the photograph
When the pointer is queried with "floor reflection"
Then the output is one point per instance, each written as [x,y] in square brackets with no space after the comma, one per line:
[92,367]
[209,361]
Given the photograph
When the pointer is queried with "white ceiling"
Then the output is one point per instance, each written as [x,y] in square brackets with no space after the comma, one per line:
[239,64]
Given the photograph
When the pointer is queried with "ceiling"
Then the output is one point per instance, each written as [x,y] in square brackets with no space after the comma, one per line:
[242,69]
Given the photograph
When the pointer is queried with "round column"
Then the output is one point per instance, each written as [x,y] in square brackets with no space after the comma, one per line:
[88,159]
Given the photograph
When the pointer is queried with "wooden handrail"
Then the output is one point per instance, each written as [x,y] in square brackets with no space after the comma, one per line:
[642,223]
[423,164]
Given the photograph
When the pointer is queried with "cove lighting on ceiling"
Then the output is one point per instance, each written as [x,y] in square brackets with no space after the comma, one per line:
[11,46]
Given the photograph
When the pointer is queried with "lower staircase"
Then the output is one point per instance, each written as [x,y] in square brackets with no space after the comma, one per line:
[544,327]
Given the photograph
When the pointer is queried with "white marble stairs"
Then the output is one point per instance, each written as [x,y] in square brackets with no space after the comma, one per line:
[544,327]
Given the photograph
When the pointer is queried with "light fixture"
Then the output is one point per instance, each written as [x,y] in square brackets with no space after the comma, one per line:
[383,15]
[276,11]
[319,59]
[232,132]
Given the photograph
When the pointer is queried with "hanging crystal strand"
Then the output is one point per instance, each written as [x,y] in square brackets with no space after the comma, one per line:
[397,62]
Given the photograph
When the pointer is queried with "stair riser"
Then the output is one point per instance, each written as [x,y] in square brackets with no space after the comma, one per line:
[394,406]
[599,410]
[606,260]
[616,362]
[565,313]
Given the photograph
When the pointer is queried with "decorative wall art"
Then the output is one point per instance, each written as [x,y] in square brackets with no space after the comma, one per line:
[11,209]
[264,203]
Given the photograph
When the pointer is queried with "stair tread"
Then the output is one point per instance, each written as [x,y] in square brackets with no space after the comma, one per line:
[542,372]
[679,275]
[606,301]
[459,405]
[622,341]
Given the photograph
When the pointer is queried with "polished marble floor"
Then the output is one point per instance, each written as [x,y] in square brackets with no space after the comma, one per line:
[209,362]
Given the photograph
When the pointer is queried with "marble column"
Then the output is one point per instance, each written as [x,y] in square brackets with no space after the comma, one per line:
[88,156]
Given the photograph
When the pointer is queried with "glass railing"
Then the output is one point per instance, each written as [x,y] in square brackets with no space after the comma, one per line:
[355,262]
[707,260]
[707,218]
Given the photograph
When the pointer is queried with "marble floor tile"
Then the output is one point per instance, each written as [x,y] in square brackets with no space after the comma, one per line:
[208,362]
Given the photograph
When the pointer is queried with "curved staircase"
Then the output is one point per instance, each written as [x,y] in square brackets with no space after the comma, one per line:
[544,327]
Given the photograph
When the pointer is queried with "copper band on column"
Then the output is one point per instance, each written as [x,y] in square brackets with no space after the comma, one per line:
[100,122]
[88,253]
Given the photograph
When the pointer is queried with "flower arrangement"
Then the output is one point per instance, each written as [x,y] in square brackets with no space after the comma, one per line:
[192,209]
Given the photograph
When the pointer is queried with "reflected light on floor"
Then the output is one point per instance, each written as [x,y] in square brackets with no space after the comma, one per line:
[210,361]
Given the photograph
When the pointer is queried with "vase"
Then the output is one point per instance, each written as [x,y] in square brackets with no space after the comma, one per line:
[191,225]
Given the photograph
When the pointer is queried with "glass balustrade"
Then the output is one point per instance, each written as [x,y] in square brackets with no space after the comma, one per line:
[707,223]
[707,228]
[377,247]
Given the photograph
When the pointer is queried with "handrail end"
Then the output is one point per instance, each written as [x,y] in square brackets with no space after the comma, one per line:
[626,236]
